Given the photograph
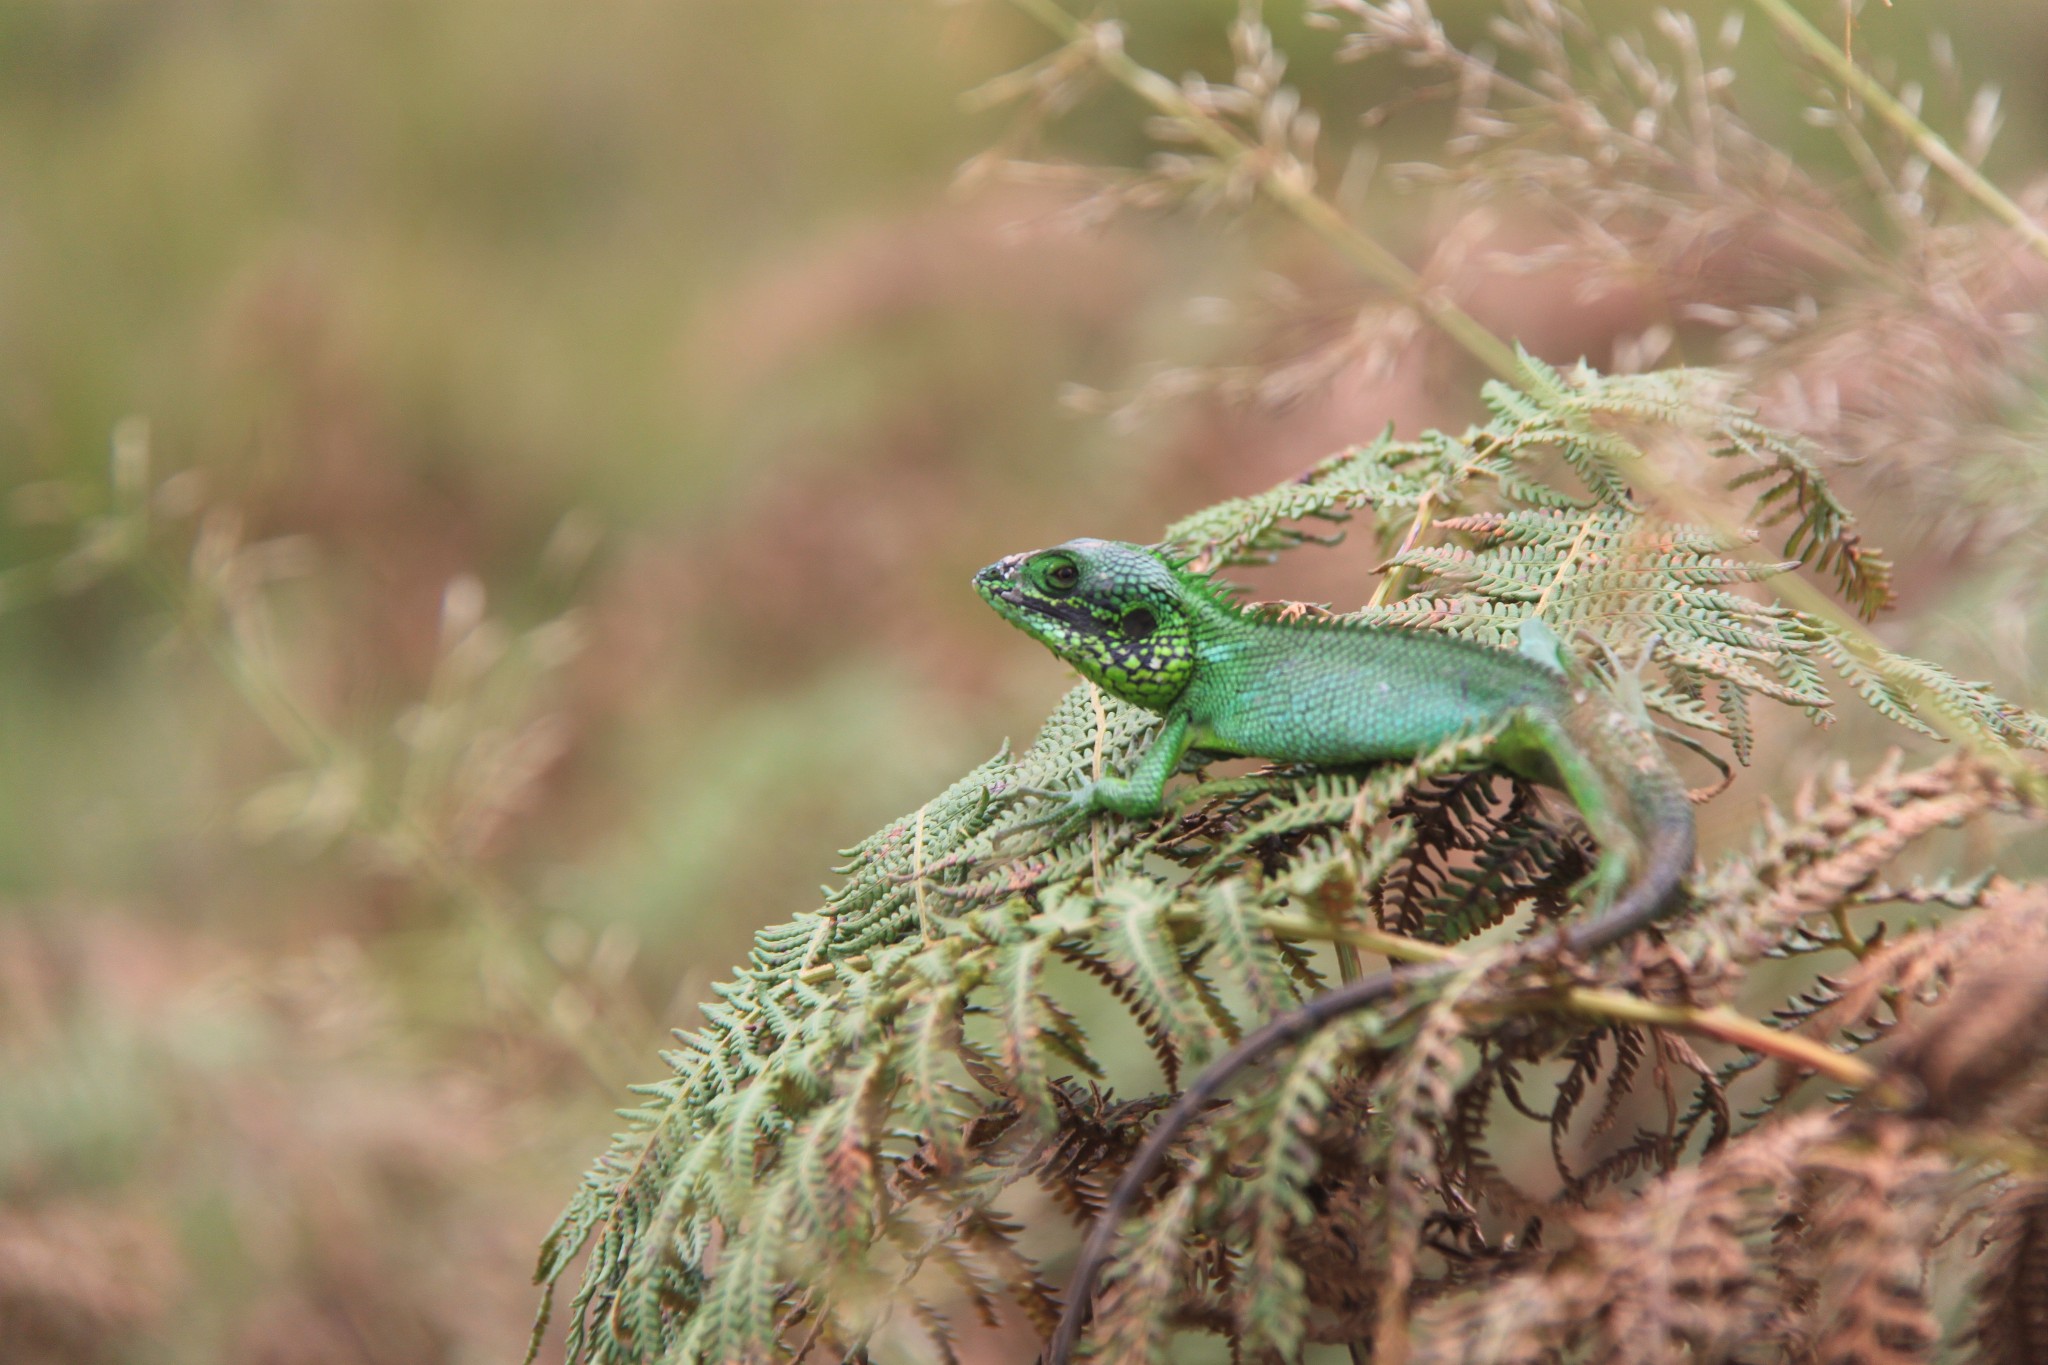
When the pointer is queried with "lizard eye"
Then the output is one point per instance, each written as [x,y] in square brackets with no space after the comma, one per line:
[1062,576]
[1139,622]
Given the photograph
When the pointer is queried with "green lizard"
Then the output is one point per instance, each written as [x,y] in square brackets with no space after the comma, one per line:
[1331,692]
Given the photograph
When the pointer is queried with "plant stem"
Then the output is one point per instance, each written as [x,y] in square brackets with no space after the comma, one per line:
[1395,947]
[1719,1022]
[1725,1025]
[1924,139]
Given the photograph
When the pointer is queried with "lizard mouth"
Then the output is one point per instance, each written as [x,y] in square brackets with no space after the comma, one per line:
[1077,617]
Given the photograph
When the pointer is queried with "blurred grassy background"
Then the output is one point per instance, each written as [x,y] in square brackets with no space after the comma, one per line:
[569,431]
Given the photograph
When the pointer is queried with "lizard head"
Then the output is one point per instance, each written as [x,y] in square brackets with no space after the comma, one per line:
[1114,611]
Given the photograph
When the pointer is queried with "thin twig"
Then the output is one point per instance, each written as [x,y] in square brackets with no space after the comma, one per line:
[1292,191]
[536,981]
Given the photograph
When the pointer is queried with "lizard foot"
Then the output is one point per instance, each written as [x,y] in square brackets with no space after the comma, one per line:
[1071,809]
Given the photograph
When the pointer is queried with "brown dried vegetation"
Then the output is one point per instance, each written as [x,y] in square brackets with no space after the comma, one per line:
[561,456]
[1701,1198]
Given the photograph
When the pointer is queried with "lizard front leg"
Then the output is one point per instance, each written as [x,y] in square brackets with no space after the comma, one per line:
[1142,793]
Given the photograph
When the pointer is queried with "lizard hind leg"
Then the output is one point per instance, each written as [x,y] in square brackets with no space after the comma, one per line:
[1540,745]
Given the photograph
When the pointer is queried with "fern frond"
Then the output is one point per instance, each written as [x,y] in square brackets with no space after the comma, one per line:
[2011,1302]
[1893,683]
[834,1144]
[1252,530]
[1168,992]
[1417,1100]
[1287,1119]
[1142,1289]
[1874,1215]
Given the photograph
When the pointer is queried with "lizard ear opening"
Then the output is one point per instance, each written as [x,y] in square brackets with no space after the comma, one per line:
[1139,622]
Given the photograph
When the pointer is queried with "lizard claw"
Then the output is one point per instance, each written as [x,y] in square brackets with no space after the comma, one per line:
[1069,813]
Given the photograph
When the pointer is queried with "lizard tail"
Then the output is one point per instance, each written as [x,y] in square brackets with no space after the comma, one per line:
[1658,796]
[1660,806]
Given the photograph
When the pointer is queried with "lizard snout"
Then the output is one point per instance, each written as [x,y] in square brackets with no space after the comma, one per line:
[1003,571]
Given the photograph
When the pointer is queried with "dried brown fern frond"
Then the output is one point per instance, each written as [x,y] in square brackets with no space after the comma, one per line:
[894,1075]
[1871,1214]
[1838,836]
[1808,1234]
[843,1133]
[1971,993]
[2011,1318]
[1642,1279]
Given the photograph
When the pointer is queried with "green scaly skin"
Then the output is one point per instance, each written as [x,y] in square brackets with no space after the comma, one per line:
[1331,692]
